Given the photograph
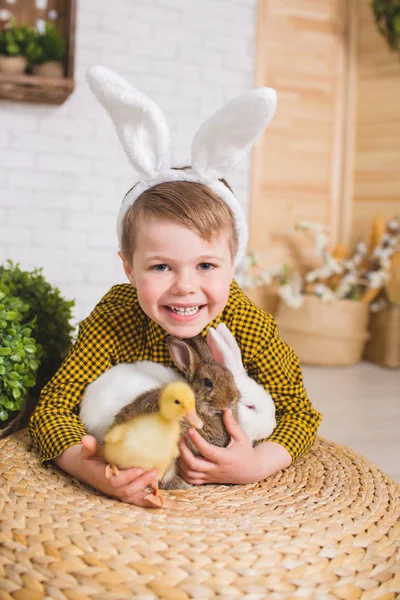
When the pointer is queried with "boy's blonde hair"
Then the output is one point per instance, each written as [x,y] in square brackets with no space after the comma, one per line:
[190,204]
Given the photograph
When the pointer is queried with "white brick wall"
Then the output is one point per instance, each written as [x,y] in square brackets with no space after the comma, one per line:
[62,171]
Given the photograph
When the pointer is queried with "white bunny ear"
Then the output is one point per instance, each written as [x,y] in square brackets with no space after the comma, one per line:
[140,123]
[228,135]
[231,342]
[221,351]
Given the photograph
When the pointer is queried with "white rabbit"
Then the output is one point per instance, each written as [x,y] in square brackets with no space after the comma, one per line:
[117,387]
[256,409]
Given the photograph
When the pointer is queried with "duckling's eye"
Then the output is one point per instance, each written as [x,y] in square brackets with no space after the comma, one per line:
[208,383]
[177,402]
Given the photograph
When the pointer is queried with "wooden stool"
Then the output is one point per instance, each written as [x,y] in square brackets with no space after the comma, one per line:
[327,527]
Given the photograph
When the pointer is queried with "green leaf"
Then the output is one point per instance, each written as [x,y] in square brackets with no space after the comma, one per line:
[16,393]
[13,376]
[10,315]
[5,351]
[396,23]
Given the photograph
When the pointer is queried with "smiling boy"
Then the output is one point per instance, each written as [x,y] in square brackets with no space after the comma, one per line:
[180,264]
[182,233]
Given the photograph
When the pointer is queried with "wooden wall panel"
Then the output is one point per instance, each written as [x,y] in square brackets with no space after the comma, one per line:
[332,152]
[377,145]
[301,52]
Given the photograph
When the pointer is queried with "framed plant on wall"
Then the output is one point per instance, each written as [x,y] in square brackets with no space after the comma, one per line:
[387,17]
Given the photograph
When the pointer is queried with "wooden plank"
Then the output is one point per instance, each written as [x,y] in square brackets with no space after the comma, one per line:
[377,148]
[30,88]
[71,38]
[348,124]
[296,169]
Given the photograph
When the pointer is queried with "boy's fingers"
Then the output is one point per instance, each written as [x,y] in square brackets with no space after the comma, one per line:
[140,483]
[196,463]
[90,447]
[193,477]
[209,451]
[125,477]
[140,499]
[232,426]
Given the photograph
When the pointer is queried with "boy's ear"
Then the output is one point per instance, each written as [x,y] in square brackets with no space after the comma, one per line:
[127,268]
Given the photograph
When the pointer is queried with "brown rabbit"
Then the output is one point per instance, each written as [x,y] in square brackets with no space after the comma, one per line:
[215,391]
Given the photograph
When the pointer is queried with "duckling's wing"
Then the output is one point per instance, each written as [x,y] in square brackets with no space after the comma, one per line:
[146,441]
[115,434]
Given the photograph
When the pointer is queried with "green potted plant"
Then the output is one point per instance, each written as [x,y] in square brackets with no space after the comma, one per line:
[47,53]
[13,46]
[52,314]
[19,361]
[387,17]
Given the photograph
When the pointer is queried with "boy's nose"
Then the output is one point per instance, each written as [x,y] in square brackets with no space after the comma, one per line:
[184,284]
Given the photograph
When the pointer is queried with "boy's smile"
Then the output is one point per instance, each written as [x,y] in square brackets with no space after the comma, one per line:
[182,281]
[185,313]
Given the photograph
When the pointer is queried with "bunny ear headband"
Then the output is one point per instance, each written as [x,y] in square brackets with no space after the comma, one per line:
[221,142]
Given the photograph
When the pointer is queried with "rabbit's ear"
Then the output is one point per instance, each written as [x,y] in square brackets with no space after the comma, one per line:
[200,345]
[140,123]
[221,352]
[228,135]
[231,342]
[184,357]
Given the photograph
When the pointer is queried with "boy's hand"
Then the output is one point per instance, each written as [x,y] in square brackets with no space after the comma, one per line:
[237,463]
[86,463]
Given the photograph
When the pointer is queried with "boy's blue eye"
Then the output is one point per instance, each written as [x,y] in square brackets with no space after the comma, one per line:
[159,268]
[206,266]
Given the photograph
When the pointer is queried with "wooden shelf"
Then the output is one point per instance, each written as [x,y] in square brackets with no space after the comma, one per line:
[30,88]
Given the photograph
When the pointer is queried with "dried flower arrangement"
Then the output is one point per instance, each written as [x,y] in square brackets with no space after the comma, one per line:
[361,276]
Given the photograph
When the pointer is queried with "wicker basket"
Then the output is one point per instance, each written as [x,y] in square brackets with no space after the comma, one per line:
[326,528]
[383,346]
[322,333]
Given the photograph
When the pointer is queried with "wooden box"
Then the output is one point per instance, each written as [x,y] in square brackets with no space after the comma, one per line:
[325,333]
[383,346]
[30,88]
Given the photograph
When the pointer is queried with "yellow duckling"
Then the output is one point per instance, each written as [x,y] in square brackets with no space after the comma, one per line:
[150,441]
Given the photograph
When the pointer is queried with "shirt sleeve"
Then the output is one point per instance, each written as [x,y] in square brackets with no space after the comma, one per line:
[55,425]
[275,366]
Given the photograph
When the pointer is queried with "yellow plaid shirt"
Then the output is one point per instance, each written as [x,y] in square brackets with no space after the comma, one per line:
[118,331]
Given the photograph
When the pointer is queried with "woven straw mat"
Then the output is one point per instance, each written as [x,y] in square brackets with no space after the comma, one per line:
[325,528]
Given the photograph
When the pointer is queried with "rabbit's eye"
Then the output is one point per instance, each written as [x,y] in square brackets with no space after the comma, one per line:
[208,383]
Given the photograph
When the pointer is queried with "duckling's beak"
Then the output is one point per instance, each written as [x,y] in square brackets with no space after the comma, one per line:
[194,419]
